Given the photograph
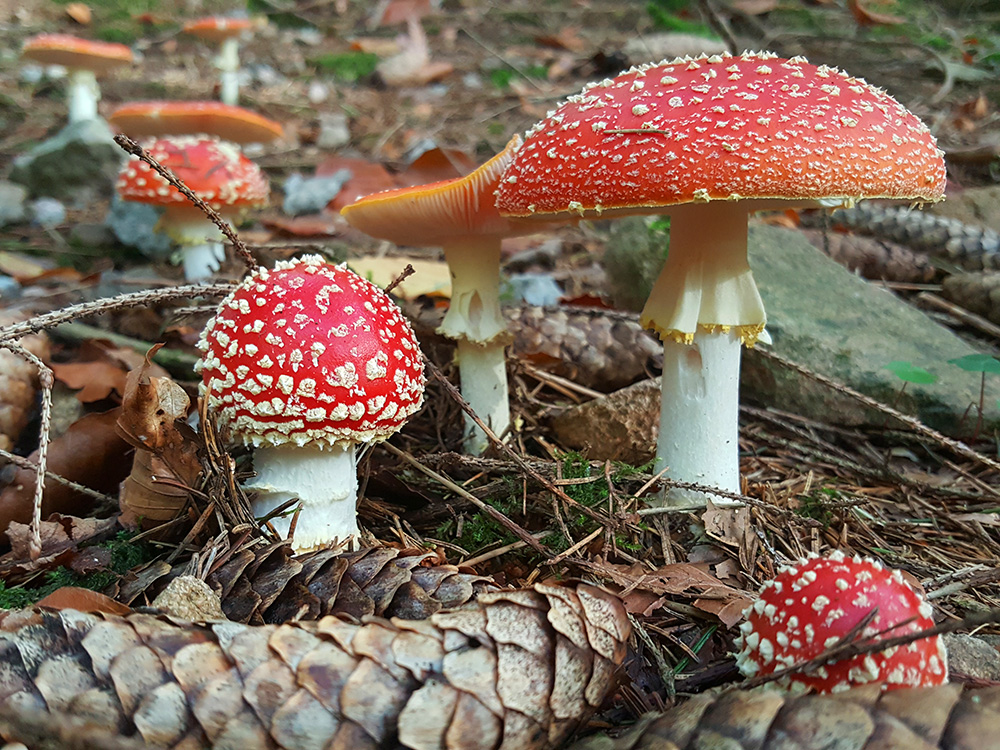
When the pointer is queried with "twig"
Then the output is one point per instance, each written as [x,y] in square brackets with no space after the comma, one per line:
[403,276]
[516,68]
[496,515]
[914,424]
[110,304]
[176,361]
[131,147]
[927,299]
[493,553]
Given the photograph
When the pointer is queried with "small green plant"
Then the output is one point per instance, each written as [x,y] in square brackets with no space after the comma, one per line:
[908,373]
[501,78]
[671,15]
[347,67]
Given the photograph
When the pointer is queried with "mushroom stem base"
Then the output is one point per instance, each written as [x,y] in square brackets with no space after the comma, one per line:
[325,480]
[699,418]
[202,251]
[483,374]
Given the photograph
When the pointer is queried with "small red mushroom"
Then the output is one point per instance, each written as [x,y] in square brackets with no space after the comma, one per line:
[225,32]
[84,60]
[305,363]
[815,603]
[217,172]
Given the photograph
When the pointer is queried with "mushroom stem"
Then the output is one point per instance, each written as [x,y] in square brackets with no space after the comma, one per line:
[82,95]
[704,305]
[200,240]
[228,63]
[324,478]
[475,320]
[699,417]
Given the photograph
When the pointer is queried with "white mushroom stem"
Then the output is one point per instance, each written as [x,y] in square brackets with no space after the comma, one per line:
[200,241]
[228,63]
[82,95]
[475,320]
[324,479]
[704,305]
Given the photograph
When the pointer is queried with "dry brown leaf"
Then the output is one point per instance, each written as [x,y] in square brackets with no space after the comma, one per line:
[90,453]
[82,600]
[61,538]
[435,165]
[309,225]
[96,381]
[753,7]
[367,177]
[18,383]
[567,39]
[398,11]
[80,12]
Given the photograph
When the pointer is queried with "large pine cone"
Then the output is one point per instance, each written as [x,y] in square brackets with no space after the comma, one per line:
[516,669]
[861,719]
[976,292]
[271,586]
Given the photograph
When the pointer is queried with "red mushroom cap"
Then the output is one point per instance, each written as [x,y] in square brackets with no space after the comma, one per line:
[812,605]
[721,128]
[159,118]
[310,353]
[216,171]
[217,28]
[73,52]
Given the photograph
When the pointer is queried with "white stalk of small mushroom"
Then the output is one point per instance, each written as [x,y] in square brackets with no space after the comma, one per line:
[82,95]
[228,63]
[199,240]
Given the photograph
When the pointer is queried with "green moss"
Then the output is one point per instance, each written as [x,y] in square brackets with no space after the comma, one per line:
[347,67]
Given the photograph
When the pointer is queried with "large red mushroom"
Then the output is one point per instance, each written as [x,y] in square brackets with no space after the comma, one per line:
[305,363]
[215,171]
[709,141]
[815,603]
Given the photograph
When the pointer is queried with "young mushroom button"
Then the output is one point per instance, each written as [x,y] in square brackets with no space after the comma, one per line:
[305,362]
[817,602]
[709,141]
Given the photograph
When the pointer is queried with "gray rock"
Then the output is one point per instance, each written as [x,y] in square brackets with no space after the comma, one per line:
[77,164]
[839,325]
[47,212]
[535,289]
[309,195]
[134,225]
[971,657]
[333,130]
[12,197]
[9,288]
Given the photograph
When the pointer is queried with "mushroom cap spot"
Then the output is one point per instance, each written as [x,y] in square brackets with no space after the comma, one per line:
[74,52]
[216,171]
[327,359]
[721,128]
[159,117]
[815,603]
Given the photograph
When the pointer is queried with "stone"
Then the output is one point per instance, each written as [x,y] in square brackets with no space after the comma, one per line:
[837,324]
[971,657]
[76,165]
[12,198]
[334,131]
[310,195]
[92,235]
[47,212]
[134,225]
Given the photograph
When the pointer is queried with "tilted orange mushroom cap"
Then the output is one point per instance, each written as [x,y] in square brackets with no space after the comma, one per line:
[459,215]
[226,32]
[709,140]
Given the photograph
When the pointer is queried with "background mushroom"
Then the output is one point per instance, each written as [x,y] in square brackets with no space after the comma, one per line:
[225,121]
[226,33]
[710,140]
[305,363]
[217,173]
[84,60]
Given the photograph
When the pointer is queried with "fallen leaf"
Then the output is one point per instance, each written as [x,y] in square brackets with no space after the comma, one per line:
[375,46]
[82,600]
[367,177]
[867,17]
[436,165]
[568,39]
[90,453]
[430,277]
[96,380]
[61,540]
[398,11]
[753,7]
[80,12]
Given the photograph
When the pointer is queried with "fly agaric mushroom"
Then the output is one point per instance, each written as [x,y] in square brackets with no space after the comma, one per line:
[305,363]
[216,172]
[709,141]
[160,118]
[815,603]
[460,216]
[84,60]
[225,32]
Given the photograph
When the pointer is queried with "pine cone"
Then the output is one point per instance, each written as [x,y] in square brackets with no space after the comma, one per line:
[874,258]
[517,669]
[859,719]
[271,586]
[976,292]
